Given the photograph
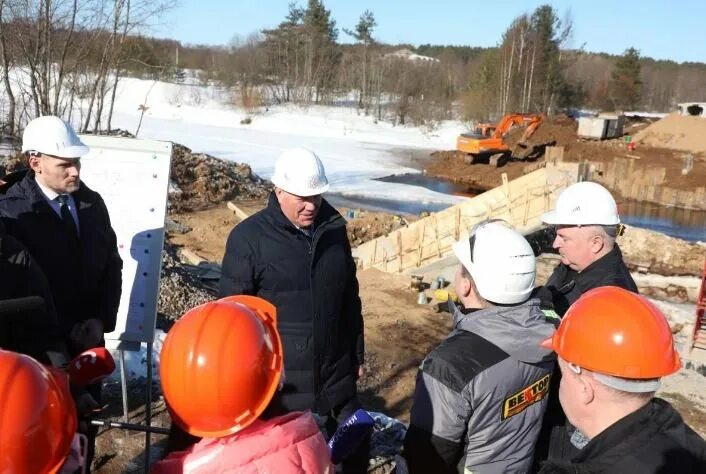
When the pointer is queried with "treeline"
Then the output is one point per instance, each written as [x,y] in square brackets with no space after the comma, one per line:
[66,57]
[531,70]
[57,54]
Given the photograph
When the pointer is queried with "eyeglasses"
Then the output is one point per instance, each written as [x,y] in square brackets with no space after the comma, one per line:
[479,226]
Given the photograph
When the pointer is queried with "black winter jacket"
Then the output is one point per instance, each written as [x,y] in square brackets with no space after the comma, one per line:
[566,285]
[28,321]
[563,288]
[654,439]
[312,283]
[85,275]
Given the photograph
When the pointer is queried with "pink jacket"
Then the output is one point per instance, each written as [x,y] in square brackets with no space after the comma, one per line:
[287,444]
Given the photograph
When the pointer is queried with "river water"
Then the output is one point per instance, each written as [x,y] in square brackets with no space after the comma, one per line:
[681,223]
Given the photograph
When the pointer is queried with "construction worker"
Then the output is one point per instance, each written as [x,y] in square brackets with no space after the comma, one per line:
[295,253]
[587,224]
[66,227]
[220,366]
[613,348]
[480,395]
[37,418]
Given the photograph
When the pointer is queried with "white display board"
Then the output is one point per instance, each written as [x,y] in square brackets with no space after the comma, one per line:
[132,176]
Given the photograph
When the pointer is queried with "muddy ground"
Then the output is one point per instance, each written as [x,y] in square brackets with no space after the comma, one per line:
[561,131]
[208,229]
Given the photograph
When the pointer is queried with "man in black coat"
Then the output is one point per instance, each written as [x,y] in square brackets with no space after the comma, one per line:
[295,253]
[66,228]
[587,224]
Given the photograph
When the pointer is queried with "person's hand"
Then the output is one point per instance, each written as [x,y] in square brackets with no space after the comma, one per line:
[86,334]
[86,404]
[361,371]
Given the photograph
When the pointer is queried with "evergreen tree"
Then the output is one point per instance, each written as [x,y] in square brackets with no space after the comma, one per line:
[625,88]
[364,35]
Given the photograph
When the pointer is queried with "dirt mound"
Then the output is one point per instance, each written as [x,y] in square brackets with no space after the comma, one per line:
[676,132]
[559,130]
[367,225]
[202,180]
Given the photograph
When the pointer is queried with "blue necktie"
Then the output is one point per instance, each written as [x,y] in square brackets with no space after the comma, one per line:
[66,217]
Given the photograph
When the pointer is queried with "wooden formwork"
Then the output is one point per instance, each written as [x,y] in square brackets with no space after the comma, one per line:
[521,202]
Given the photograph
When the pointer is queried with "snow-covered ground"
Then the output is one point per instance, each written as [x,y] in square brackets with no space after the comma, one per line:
[354,148]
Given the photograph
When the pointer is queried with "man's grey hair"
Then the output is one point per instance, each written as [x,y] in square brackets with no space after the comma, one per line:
[607,232]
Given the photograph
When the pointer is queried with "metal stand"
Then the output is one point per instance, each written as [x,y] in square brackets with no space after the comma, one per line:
[123,385]
[130,426]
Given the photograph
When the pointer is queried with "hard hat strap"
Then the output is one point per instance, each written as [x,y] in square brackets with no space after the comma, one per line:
[628,385]
[620,383]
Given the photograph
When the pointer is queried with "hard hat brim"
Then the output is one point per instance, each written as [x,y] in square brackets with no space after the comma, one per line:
[69,153]
[73,152]
[462,250]
[301,192]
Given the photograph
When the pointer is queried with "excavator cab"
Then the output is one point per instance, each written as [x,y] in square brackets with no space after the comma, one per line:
[481,130]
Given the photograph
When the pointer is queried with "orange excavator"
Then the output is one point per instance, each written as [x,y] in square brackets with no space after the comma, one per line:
[485,143]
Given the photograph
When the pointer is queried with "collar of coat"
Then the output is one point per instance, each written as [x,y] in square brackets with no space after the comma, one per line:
[327,218]
[596,271]
[23,184]
[516,329]
[630,432]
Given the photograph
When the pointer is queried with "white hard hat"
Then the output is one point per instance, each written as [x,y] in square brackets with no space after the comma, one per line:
[500,261]
[584,203]
[52,136]
[299,171]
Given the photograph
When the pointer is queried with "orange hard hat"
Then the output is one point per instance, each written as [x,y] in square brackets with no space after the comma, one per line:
[37,416]
[615,332]
[221,364]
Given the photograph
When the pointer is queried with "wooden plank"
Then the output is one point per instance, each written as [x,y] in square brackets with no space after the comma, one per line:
[536,194]
[239,213]
[191,257]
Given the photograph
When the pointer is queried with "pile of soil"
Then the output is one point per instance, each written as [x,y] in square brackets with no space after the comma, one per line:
[677,132]
[559,130]
[202,180]
[371,225]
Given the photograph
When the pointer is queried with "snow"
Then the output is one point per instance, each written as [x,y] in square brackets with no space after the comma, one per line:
[354,148]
